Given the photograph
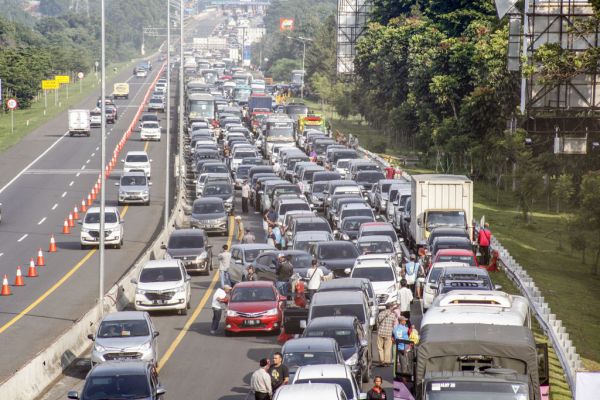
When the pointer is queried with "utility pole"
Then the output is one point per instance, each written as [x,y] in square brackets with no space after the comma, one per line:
[168,150]
[181,105]
[102,157]
[303,40]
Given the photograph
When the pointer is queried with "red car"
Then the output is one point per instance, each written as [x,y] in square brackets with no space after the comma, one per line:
[254,306]
[456,255]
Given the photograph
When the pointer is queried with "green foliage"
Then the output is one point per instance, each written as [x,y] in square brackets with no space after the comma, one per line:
[54,7]
[590,206]
[529,187]
[563,190]
[281,70]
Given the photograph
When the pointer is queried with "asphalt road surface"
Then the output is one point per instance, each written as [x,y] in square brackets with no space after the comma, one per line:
[44,177]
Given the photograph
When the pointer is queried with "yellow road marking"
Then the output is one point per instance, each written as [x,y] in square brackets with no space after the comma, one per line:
[165,358]
[124,210]
[146,146]
[48,292]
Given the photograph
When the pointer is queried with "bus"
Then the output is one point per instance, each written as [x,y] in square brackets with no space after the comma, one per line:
[278,129]
[241,94]
[201,106]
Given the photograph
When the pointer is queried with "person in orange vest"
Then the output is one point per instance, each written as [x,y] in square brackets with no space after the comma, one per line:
[484,241]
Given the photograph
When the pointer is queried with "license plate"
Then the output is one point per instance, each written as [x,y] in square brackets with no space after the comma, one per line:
[251,322]
[160,302]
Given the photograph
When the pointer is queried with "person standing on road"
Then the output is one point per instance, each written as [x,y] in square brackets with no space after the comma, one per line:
[314,275]
[284,272]
[245,196]
[280,374]
[219,303]
[412,269]
[250,274]
[385,326]
[240,229]
[401,333]
[278,235]
[249,237]
[405,298]
[377,392]
[224,260]
[390,171]
[484,240]
[260,382]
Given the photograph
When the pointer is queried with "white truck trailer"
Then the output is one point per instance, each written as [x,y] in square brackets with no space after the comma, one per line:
[79,122]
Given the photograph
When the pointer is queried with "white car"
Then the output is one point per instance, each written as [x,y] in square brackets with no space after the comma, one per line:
[303,391]
[137,161]
[383,274]
[432,278]
[163,285]
[330,373]
[113,228]
[150,131]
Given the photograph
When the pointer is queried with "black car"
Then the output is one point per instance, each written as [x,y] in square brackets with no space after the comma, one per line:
[447,232]
[350,226]
[450,242]
[192,248]
[366,179]
[350,336]
[117,380]
[336,256]
[266,263]
[222,190]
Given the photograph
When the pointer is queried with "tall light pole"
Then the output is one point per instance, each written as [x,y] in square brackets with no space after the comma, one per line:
[168,150]
[181,105]
[102,156]
[303,40]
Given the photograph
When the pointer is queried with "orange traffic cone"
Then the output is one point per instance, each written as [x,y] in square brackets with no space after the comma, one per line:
[70,219]
[94,193]
[52,247]
[5,287]
[32,273]
[75,213]
[40,259]
[83,206]
[66,228]
[89,200]
[19,278]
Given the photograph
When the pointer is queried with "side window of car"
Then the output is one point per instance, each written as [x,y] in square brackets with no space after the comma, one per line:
[236,254]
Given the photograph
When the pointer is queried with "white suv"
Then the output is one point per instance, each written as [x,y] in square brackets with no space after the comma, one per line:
[113,228]
[163,285]
[383,275]
[150,131]
[137,161]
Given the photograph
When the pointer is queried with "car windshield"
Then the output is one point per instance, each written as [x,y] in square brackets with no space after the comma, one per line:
[208,208]
[320,148]
[445,218]
[319,187]
[456,258]
[375,247]
[284,208]
[149,117]
[115,387]
[382,232]
[137,158]
[313,226]
[250,255]
[251,294]
[346,384]
[161,274]
[343,163]
[186,242]
[298,359]
[219,169]
[374,274]
[94,218]
[305,245]
[151,125]
[123,328]
[133,181]
[344,337]
[369,177]
[338,251]
[244,154]
[357,212]
[217,190]
[286,190]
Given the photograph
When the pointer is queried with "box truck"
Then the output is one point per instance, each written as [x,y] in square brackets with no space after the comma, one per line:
[79,122]
[439,200]
[121,90]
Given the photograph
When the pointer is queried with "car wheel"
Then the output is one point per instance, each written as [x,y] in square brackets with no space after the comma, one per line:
[366,376]
[228,333]
[188,305]
[183,311]
[211,263]
[83,247]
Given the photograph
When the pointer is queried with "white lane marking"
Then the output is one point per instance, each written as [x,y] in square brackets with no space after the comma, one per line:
[88,161]
[54,206]
[42,221]
[77,174]
[71,184]
[23,237]
[64,194]
[83,167]
[1,254]
[93,154]
[33,162]
[97,148]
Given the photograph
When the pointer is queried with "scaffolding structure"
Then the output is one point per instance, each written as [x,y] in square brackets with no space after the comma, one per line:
[571,105]
[352,19]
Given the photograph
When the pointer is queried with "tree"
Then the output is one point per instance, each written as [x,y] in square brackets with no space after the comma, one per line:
[590,207]
[281,70]
[529,187]
[563,189]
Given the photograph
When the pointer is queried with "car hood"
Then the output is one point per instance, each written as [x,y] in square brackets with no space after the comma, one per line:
[338,263]
[252,306]
[122,343]
[162,286]
[185,252]
[134,188]
[97,226]
[353,234]
[381,287]
[220,196]
[211,216]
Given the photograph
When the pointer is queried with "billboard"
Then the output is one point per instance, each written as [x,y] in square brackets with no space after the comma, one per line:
[286,24]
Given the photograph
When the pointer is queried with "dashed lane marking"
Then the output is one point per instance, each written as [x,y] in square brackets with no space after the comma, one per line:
[54,206]
[71,184]
[42,221]
[63,195]
[22,237]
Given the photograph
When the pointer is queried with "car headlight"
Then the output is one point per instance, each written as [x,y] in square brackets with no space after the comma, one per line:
[345,236]
[229,200]
[140,291]
[202,256]
[85,230]
[180,289]
[352,360]
[168,256]
[145,192]
[314,199]
[272,311]
[391,289]
[99,347]
[231,313]
[145,346]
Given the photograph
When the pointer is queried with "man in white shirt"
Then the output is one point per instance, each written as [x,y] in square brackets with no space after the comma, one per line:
[219,303]
[260,382]
[224,260]
[314,275]
[405,297]
[245,196]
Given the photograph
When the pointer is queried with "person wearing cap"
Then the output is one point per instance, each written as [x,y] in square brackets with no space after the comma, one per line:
[284,272]
[400,333]
[240,229]
[219,303]
[245,196]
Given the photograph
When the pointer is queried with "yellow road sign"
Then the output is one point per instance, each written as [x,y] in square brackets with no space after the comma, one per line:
[62,78]
[50,84]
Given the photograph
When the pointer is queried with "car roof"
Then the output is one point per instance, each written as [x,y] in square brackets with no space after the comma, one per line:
[310,234]
[331,322]
[111,368]
[352,206]
[288,252]
[375,238]
[377,225]
[136,153]
[188,232]
[106,210]
[337,297]
[466,271]
[342,283]
[133,173]
[336,242]
[207,199]
[452,239]
[307,390]
[308,219]
[161,264]
[323,370]
[310,344]
[125,315]
[252,246]
[252,284]
[454,252]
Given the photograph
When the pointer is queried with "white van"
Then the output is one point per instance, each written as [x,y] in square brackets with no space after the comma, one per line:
[432,279]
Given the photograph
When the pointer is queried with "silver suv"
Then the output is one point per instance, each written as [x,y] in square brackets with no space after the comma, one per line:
[134,187]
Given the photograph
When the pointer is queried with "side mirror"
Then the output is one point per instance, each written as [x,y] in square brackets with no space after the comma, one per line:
[188,278]
[73,395]
[134,281]
[163,246]
[91,336]
[238,261]
[434,287]
[282,298]
[497,287]
[80,222]
[150,160]
[208,247]
[364,343]
[117,183]
[149,183]
[160,391]
[122,160]
[362,396]
[347,271]
[155,333]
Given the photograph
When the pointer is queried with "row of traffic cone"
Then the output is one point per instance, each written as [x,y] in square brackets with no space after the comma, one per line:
[31,273]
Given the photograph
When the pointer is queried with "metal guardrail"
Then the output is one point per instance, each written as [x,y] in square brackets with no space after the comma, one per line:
[552,327]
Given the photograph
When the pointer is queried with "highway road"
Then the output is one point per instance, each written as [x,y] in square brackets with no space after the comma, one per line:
[44,177]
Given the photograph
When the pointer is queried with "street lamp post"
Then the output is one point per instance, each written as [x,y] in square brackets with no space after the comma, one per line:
[168,150]
[102,157]
[181,160]
[303,40]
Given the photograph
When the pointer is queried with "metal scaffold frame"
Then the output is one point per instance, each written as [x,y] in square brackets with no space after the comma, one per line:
[352,19]
[571,106]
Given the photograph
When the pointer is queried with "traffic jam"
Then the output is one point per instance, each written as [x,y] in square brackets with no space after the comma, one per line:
[358,271]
